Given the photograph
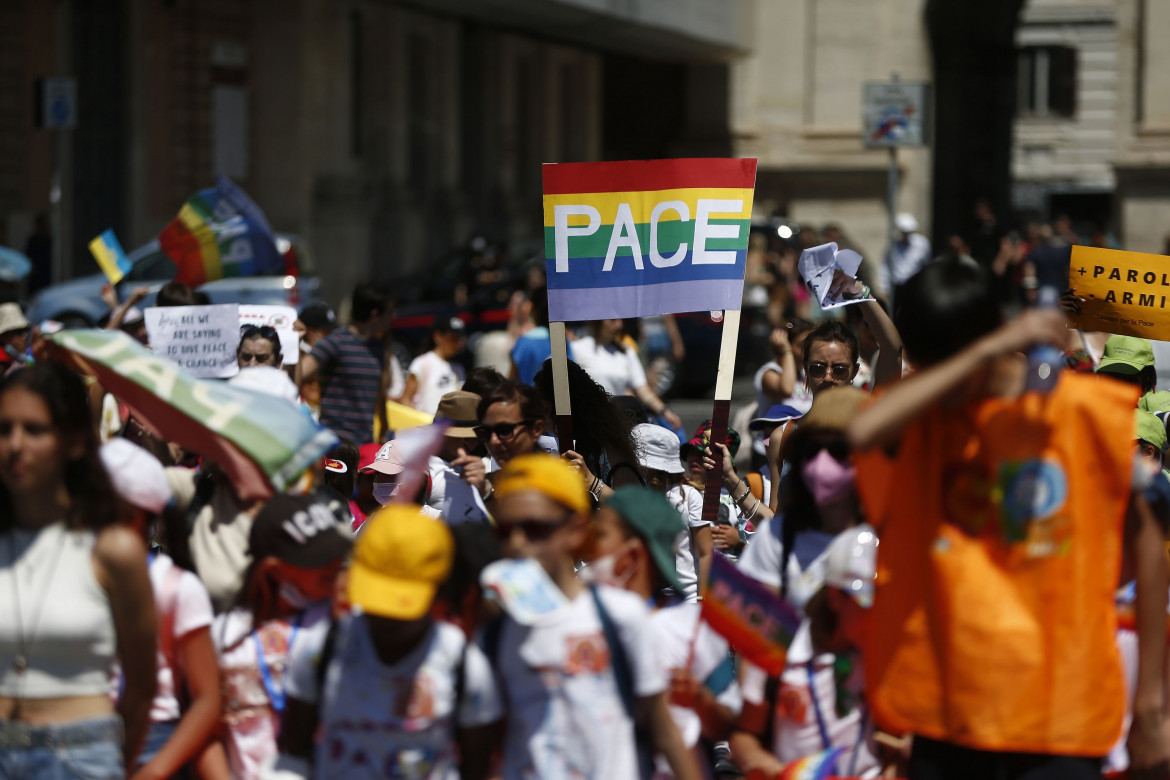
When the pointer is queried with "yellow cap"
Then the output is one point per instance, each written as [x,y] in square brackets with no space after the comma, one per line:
[547,475]
[400,559]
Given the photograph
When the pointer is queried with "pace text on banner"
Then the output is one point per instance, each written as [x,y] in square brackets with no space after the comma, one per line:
[1124,292]
[646,237]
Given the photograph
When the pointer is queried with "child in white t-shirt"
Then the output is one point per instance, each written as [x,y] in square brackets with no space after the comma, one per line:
[634,533]
[432,374]
[584,690]
[659,456]
[393,692]
[818,703]
[298,547]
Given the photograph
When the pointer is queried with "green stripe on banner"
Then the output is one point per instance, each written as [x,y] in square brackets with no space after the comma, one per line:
[670,235]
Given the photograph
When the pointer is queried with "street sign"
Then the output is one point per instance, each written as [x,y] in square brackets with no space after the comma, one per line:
[895,114]
[58,103]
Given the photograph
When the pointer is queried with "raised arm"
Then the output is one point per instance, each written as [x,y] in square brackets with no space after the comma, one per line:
[882,423]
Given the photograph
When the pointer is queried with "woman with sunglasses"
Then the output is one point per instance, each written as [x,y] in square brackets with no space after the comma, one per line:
[511,422]
[819,501]
[259,346]
[832,358]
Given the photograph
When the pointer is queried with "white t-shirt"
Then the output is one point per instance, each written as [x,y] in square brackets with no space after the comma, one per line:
[251,723]
[436,377]
[182,595]
[760,560]
[796,730]
[566,718]
[397,379]
[673,628]
[616,368]
[689,503]
[457,501]
[400,720]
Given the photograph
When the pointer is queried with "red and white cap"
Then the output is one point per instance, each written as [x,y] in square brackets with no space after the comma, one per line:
[386,461]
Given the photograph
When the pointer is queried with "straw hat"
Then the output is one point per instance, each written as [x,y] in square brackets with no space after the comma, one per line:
[831,412]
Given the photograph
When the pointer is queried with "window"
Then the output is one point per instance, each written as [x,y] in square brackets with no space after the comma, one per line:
[1047,81]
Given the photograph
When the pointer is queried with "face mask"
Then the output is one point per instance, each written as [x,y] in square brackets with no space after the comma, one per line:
[383,491]
[827,478]
[601,572]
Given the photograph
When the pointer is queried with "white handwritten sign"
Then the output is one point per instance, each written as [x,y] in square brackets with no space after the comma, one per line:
[201,339]
[280,319]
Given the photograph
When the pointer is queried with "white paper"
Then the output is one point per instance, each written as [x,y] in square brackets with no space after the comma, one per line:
[281,318]
[523,588]
[201,339]
[819,264]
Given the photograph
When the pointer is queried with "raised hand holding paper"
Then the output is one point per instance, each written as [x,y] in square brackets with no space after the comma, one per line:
[819,264]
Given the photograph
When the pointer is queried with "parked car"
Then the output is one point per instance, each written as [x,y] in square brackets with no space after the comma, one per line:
[78,302]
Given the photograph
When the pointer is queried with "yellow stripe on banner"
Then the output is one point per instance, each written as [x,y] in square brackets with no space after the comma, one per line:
[106,260]
[208,248]
[643,203]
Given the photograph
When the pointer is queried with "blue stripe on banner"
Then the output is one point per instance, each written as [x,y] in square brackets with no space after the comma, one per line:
[586,272]
[644,300]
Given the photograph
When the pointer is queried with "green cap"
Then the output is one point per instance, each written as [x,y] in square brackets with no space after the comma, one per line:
[1150,429]
[1157,401]
[655,521]
[1126,355]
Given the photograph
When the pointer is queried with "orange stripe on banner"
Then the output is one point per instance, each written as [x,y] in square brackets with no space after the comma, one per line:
[205,237]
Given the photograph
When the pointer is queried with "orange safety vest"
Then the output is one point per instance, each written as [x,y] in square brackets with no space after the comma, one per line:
[1001,525]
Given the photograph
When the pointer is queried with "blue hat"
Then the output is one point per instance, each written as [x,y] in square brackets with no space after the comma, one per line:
[776,414]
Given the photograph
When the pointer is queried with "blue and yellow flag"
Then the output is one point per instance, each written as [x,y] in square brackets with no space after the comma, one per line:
[110,257]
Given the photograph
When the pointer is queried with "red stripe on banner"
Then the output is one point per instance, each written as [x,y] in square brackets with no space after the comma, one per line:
[648,175]
[181,245]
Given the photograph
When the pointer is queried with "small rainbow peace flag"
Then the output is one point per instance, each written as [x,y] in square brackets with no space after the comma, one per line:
[220,233]
[646,237]
[818,766]
[110,257]
[756,622]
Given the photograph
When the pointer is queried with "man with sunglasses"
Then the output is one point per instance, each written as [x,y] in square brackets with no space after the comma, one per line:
[583,688]
[259,346]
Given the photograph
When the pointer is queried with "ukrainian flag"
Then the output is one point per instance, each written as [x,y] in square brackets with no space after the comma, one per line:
[109,255]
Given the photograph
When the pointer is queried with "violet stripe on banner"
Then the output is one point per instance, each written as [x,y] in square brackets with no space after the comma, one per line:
[617,302]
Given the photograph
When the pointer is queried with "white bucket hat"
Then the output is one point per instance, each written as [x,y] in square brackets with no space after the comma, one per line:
[658,448]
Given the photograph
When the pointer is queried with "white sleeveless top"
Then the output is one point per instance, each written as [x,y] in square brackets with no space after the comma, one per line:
[65,626]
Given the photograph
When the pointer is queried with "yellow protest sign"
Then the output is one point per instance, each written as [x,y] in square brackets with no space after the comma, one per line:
[1125,292]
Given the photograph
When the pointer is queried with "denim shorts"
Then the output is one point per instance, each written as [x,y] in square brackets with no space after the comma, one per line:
[85,750]
[159,734]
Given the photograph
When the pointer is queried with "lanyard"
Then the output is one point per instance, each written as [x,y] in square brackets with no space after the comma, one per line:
[812,690]
[275,693]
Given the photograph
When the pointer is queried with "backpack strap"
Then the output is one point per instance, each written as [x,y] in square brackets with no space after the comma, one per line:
[328,650]
[617,651]
[771,700]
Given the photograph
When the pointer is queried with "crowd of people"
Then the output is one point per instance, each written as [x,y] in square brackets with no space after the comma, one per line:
[978,569]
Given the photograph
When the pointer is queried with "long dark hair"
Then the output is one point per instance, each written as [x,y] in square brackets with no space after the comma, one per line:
[800,513]
[92,504]
[597,424]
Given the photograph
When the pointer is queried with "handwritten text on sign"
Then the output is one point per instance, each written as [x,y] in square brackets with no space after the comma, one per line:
[280,319]
[201,339]
[1125,292]
[628,239]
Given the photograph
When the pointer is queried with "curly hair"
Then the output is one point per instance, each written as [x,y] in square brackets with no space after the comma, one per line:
[600,428]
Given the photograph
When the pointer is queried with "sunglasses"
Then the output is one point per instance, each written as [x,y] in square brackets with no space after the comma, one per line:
[504,431]
[839,450]
[251,357]
[841,371]
[533,530]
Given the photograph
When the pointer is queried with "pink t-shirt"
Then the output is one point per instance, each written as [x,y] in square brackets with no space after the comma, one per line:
[181,593]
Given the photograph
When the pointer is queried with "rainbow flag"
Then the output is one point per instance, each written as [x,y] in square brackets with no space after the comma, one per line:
[220,233]
[632,239]
[110,257]
[756,622]
[818,766]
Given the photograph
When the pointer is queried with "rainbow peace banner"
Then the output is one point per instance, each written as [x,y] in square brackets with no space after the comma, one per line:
[818,766]
[220,233]
[646,237]
[756,622]
[107,250]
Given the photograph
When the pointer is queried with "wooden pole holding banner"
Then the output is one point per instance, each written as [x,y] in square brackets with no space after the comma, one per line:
[560,377]
[720,411]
